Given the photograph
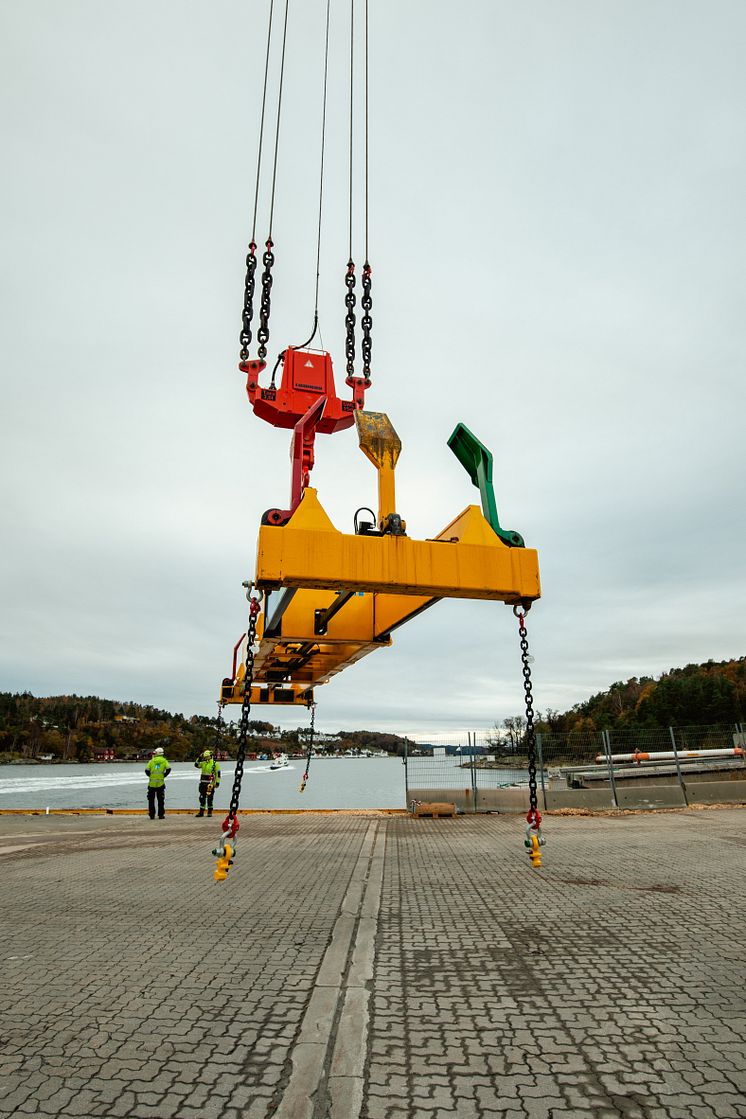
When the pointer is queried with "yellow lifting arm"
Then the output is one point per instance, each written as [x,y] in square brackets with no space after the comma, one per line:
[331,598]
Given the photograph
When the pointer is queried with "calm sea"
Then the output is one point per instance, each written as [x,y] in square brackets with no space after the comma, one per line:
[333,783]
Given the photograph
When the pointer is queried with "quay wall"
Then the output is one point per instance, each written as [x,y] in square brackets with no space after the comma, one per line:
[631,796]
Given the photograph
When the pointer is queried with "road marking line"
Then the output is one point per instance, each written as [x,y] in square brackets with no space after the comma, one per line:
[347,1073]
[332,990]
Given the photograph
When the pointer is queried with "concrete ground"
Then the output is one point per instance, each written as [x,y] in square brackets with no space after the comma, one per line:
[374,967]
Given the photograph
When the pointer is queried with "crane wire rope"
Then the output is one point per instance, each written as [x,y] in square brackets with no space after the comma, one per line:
[366,302]
[261,122]
[350,299]
[352,102]
[268,257]
[366,132]
[321,183]
[247,313]
[279,113]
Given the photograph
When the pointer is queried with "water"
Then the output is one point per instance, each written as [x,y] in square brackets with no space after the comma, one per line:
[333,783]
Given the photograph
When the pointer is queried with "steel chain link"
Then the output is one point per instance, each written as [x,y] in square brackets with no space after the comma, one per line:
[350,301]
[248,301]
[366,346]
[262,333]
[309,752]
[530,732]
[243,727]
[219,728]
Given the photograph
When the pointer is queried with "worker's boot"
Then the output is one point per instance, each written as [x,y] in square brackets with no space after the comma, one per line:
[200,813]
[209,812]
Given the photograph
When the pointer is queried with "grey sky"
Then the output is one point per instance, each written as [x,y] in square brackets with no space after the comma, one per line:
[557,236]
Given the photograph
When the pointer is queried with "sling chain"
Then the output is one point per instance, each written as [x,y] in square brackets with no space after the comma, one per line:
[534,839]
[350,301]
[262,333]
[309,752]
[248,301]
[366,346]
[225,849]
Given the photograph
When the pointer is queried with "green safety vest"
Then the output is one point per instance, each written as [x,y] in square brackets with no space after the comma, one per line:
[156,771]
[208,769]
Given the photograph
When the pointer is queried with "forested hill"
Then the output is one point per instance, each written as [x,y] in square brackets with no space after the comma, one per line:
[697,695]
[78,728]
[72,728]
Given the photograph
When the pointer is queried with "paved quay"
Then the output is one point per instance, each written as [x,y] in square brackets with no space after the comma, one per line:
[374,967]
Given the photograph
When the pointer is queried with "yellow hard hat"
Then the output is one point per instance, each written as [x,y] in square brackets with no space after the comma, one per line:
[207,754]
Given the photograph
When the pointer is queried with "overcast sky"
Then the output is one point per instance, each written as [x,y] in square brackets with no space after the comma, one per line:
[557,234]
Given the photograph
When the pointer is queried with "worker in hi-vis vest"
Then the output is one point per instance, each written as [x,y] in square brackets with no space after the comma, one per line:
[209,779]
[157,771]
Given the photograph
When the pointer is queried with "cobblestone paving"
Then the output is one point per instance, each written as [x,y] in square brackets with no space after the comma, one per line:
[379,968]
[610,983]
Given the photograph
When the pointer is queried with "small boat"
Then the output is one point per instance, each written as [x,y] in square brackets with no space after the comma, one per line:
[280,762]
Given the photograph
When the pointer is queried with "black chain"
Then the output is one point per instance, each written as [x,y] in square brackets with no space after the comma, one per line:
[309,752]
[248,301]
[530,732]
[366,346]
[219,727]
[350,317]
[262,333]
[243,728]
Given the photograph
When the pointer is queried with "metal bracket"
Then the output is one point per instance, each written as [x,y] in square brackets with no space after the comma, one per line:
[477,462]
[321,618]
[382,446]
[272,628]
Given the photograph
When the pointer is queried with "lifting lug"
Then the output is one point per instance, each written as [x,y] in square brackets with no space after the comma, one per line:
[393,525]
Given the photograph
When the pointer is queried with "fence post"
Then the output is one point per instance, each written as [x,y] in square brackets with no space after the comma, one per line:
[606,739]
[672,734]
[406,772]
[472,747]
[541,770]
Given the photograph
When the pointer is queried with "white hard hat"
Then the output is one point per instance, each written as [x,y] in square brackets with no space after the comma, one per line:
[158,750]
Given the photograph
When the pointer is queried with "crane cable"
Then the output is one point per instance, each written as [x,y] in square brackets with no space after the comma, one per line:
[268,258]
[350,298]
[250,282]
[366,345]
[261,124]
[321,187]
[366,302]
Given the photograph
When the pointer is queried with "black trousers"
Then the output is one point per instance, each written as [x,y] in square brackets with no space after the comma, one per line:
[204,796]
[160,796]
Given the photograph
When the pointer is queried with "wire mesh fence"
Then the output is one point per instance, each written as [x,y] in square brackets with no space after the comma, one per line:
[620,767]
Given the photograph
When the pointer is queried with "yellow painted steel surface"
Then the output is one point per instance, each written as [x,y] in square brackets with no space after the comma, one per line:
[391,578]
[465,560]
[275,695]
[382,446]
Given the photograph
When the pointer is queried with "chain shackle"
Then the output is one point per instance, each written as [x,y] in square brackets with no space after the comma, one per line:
[243,727]
[350,300]
[248,301]
[533,815]
[268,259]
[366,345]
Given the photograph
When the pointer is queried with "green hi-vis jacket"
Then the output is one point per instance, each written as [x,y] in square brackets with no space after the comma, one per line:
[209,770]
[157,769]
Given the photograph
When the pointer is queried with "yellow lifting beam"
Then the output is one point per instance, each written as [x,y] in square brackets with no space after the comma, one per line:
[330,598]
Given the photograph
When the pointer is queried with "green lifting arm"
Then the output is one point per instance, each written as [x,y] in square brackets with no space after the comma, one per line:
[477,462]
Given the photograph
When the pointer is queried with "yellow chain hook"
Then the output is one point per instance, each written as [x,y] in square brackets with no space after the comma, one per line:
[224,862]
[534,842]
